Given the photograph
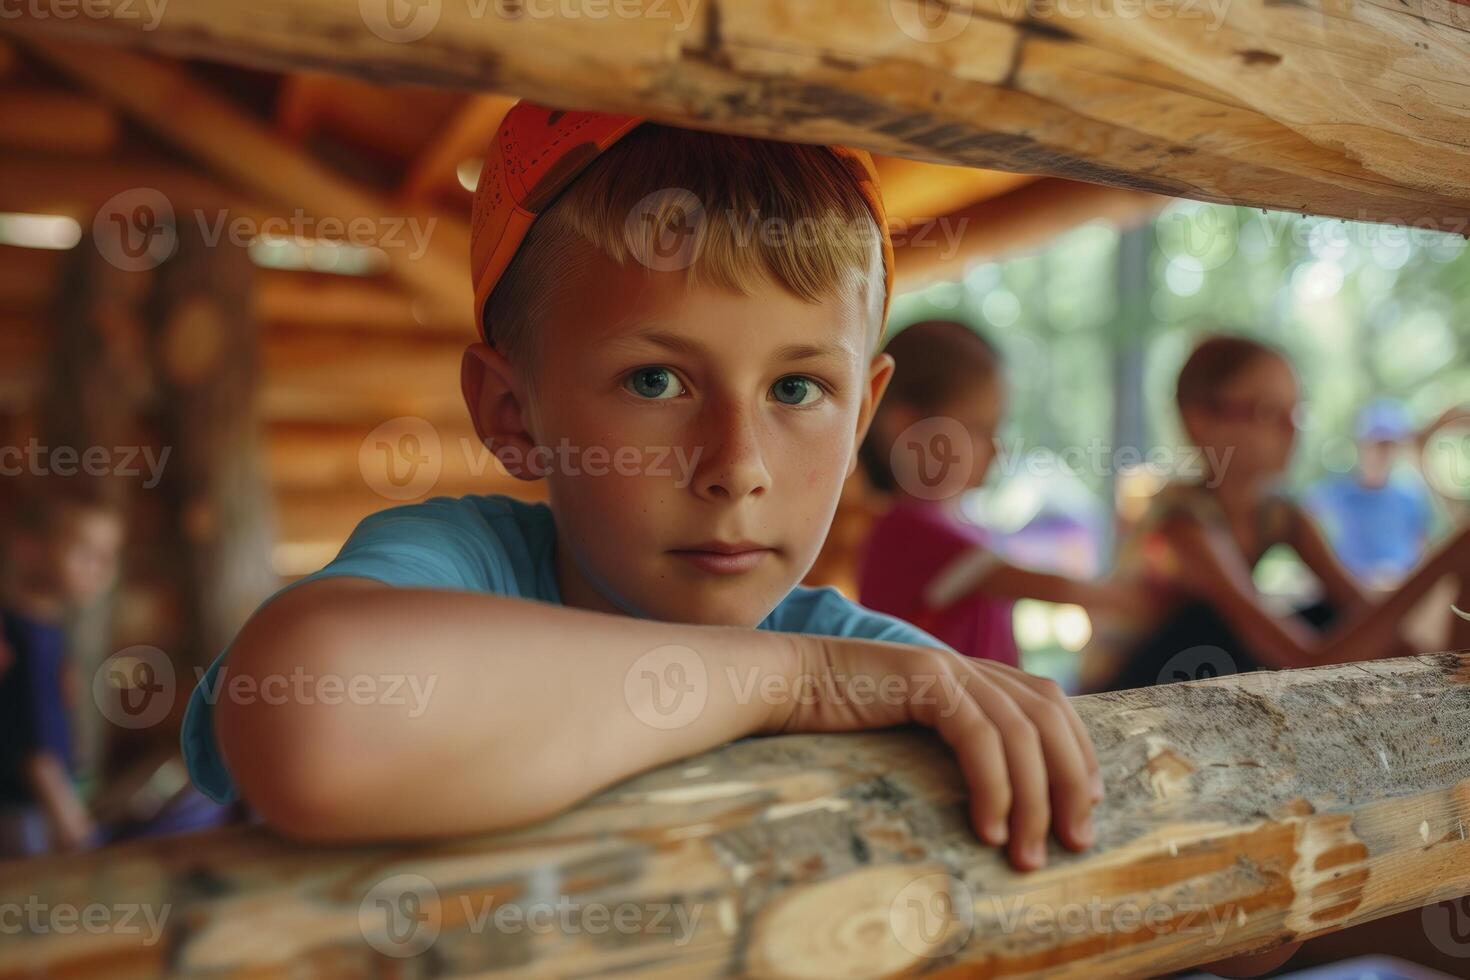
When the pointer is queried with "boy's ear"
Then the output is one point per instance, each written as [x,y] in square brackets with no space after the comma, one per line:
[880,372]
[496,400]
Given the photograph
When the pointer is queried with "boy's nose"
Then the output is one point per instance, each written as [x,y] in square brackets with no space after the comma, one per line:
[731,461]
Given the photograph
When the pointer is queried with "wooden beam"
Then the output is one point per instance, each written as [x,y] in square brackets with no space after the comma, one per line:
[465,137]
[359,378]
[915,189]
[206,354]
[427,251]
[302,300]
[59,122]
[1356,112]
[363,377]
[383,122]
[29,278]
[1242,812]
[1027,218]
[54,183]
[326,457]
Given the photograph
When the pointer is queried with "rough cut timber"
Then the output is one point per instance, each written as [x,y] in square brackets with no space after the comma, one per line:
[1241,812]
[1354,109]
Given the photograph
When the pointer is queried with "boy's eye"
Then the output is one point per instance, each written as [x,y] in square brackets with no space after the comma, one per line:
[796,390]
[654,383]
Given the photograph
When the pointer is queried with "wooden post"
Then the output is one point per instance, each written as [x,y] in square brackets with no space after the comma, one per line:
[1242,812]
[96,382]
[207,361]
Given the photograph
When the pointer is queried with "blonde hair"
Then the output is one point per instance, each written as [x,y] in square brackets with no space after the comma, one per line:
[764,211]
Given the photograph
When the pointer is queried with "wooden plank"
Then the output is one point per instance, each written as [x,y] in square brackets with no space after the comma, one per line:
[1355,111]
[1241,812]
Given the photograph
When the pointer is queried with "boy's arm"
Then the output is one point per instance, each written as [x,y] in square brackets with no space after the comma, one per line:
[982,570]
[524,708]
[66,815]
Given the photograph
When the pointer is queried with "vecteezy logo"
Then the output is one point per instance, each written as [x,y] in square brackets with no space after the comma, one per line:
[400,916]
[1197,236]
[665,230]
[932,21]
[134,688]
[1197,664]
[933,915]
[400,21]
[401,459]
[933,458]
[1445,459]
[134,230]
[1447,926]
[667,687]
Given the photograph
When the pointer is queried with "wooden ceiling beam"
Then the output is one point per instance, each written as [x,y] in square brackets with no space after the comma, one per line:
[913,189]
[428,251]
[1356,112]
[55,122]
[932,250]
[464,138]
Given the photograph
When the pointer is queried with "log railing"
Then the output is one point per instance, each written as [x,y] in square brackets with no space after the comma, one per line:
[1241,812]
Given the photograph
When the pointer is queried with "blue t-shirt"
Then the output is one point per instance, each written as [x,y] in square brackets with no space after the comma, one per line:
[33,713]
[1378,532]
[497,545]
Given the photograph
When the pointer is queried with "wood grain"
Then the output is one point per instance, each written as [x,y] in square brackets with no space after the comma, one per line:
[1351,109]
[1241,812]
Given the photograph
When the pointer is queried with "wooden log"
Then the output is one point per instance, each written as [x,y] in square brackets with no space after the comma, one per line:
[321,376]
[914,189]
[465,137]
[59,183]
[1025,218]
[1241,812]
[206,354]
[330,376]
[302,300]
[331,457]
[1354,111]
[94,382]
[427,251]
[28,278]
[58,122]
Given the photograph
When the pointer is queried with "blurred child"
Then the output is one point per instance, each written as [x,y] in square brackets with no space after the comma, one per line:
[924,561]
[62,554]
[1200,540]
[1377,520]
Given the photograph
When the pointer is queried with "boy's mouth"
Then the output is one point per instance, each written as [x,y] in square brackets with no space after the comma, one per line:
[724,558]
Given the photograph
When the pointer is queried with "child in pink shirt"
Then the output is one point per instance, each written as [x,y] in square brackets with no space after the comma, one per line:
[932,439]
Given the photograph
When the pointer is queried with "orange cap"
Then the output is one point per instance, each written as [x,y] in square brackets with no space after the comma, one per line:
[537,153]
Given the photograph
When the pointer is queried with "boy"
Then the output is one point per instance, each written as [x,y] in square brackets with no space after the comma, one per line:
[63,554]
[647,296]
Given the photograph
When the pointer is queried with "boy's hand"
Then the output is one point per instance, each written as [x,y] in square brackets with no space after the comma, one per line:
[1024,752]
